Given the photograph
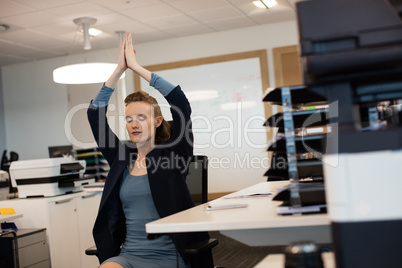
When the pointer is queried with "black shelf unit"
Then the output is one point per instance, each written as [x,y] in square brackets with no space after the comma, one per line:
[296,151]
[97,165]
[291,141]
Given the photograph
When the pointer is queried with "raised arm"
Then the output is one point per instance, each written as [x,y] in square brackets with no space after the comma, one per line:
[107,140]
[181,133]
[121,67]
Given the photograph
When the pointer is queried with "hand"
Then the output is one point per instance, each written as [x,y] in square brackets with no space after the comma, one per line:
[120,68]
[130,53]
[122,64]
[131,60]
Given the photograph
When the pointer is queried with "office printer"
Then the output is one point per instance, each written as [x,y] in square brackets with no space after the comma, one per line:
[48,177]
[352,54]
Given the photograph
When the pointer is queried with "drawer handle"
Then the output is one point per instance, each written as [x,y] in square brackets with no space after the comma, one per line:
[63,201]
[88,196]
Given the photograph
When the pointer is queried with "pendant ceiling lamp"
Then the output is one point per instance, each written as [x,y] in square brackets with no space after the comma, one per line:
[84,73]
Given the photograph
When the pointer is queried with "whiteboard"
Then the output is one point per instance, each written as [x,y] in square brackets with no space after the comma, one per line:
[228,117]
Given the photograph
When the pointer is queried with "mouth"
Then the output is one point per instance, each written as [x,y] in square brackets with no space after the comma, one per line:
[135,133]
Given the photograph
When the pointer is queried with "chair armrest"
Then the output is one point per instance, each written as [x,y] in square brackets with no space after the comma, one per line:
[201,247]
[92,251]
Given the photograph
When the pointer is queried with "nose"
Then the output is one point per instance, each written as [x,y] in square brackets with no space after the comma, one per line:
[134,124]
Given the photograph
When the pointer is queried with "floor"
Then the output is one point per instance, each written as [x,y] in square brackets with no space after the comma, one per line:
[230,253]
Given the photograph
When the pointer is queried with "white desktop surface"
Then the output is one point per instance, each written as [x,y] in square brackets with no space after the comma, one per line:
[257,224]
[9,217]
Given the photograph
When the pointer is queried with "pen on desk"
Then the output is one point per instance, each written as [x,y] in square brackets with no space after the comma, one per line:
[225,206]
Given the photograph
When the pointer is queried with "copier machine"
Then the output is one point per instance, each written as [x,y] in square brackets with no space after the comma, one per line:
[48,177]
[351,53]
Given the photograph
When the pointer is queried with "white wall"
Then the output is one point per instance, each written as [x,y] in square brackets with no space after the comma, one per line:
[35,107]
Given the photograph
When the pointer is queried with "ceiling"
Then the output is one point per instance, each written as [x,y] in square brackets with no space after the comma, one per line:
[40,29]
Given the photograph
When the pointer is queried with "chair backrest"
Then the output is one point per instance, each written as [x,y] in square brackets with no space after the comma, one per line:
[4,161]
[5,165]
[197,179]
[60,151]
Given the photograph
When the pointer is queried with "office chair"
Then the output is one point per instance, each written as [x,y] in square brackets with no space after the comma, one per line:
[197,182]
[197,179]
[5,165]
[60,151]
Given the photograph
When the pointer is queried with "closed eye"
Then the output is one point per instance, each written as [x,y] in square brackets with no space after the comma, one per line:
[129,119]
[141,118]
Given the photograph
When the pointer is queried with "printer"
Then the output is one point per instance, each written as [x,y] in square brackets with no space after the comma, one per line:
[351,52]
[48,177]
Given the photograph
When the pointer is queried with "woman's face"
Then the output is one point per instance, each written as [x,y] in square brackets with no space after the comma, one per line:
[141,122]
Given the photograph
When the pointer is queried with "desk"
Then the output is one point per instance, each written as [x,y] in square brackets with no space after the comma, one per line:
[68,220]
[256,225]
[9,217]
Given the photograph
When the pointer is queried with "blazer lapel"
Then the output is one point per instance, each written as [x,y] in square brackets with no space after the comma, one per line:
[115,175]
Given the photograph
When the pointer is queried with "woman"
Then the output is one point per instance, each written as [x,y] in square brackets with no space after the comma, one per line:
[139,189]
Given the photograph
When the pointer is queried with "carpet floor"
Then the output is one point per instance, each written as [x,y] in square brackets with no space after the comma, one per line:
[230,253]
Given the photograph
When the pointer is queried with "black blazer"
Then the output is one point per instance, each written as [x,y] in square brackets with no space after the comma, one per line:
[167,167]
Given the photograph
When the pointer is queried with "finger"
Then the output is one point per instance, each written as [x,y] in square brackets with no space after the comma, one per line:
[130,41]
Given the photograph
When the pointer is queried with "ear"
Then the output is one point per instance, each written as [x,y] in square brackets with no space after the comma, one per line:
[158,121]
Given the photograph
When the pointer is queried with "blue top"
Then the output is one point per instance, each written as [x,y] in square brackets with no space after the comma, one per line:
[103,96]
[139,209]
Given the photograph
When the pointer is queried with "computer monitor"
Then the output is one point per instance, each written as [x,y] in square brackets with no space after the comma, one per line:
[60,151]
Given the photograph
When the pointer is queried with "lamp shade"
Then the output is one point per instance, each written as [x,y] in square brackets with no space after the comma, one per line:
[84,73]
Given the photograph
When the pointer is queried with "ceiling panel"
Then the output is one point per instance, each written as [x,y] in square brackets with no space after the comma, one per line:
[32,19]
[188,6]
[112,18]
[50,43]
[133,27]
[151,12]
[8,8]
[124,4]
[82,9]
[58,28]
[151,36]
[172,22]
[274,17]
[189,30]
[43,4]
[21,36]
[45,28]
[227,24]
[228,12]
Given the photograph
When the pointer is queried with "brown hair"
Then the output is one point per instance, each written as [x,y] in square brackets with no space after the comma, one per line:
[163,131]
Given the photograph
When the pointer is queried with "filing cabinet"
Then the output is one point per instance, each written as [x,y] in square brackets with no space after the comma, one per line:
[33,249]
